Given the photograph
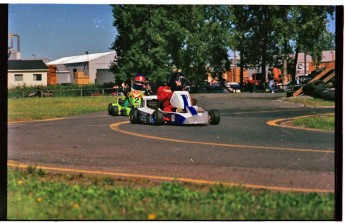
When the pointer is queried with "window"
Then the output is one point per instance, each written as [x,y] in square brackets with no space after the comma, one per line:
[37,77]
[18,77]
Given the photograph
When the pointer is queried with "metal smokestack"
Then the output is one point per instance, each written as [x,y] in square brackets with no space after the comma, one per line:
[18,41]
[11,36]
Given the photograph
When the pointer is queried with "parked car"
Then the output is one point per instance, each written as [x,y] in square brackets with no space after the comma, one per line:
[206,87]
[294,85]
[233,86]
[304,79]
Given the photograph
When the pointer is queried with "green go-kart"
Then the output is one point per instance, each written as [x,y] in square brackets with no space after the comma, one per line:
[124,105]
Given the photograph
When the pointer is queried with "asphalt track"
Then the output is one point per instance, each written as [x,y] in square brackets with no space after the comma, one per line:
[250,147]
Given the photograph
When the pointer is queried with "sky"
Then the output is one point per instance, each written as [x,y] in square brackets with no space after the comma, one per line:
[53,31]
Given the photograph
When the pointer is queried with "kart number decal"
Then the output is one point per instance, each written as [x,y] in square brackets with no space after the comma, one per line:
[185,101]
[173,118]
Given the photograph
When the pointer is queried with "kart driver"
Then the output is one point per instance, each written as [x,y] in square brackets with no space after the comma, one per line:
[176,82]
[138,85]
[141,84]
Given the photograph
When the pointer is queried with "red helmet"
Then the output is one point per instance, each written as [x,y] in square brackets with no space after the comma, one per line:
[139,80]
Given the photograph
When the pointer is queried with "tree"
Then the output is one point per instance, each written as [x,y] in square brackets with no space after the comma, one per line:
[327,41]
[269,34]
[155,39]
[141,43]
[256,31]
[307,29]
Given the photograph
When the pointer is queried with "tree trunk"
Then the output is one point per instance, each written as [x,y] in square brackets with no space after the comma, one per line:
[241,68]
[284,75]
[293,75]
[263,65]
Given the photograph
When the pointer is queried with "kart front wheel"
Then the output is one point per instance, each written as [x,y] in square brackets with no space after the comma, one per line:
[213,117]
[113,110]
[109,107]
[134,116]
[157,118]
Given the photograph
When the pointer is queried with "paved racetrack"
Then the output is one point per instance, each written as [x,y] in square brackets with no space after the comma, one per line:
[242,149]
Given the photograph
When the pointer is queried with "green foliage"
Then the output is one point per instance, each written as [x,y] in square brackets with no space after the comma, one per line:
[141,42]
[55,198]
[257,29]
[307,30]
[156,39]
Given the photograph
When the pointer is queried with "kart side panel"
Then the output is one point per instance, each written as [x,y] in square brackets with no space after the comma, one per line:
[145,115]
[187,118]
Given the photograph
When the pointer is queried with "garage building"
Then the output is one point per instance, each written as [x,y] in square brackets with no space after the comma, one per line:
[87,68]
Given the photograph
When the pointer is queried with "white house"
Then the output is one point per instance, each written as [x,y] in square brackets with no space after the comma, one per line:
[27,72]
[95,66]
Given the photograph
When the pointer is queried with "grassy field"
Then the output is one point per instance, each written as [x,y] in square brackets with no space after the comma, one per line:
[34,194]
[26,109]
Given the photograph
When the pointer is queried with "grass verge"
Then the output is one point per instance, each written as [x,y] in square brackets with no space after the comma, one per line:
[27,109]
[310,102]
[321,122]
[36,195]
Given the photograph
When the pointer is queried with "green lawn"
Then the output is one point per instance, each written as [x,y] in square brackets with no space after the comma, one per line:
[321,122]
[25,109]
[37,195]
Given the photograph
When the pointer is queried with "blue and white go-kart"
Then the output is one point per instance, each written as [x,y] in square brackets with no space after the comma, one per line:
[186,113]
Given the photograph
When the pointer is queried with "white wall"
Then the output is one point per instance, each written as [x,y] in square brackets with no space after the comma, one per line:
[63,77]
[100,63]
[28,78]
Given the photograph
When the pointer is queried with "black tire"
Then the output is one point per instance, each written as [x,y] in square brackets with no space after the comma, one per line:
[213,117]
[114,110]
[109,108]
[289,93]
[157,118]
[134,116]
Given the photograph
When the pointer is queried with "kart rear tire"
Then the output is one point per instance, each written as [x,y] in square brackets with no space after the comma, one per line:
[213,117]
[157,118]
[134,116]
